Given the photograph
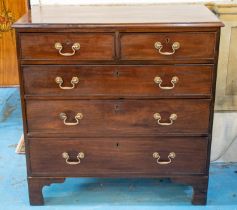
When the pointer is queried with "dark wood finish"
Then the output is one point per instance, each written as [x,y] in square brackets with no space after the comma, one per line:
[120,81]
[116,92]
[132,156]
[118,117]
[199,184]
[101,16]
[140,46]
[116,61]
[28,5]
[213,102]
[93,46]
[36,185]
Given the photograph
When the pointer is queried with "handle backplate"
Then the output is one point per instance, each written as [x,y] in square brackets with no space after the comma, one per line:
[173,81]
[157,156]
[172,118]
[66,156]
[159,47]
[75,47]
[74,81]
[64,117]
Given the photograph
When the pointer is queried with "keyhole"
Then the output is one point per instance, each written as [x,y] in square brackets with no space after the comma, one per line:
[167,40]
[117,144]
[116,107]
[116,74]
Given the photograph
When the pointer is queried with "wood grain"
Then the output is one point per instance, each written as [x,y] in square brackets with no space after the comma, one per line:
[8,58]
[36,186]
[93,46]
[192,45]
[118,81]
[61,16]
[129,157]
[117,117]
[118,128]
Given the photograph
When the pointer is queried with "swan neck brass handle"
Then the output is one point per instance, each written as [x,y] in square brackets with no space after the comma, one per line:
[172,118]
[58,46]
[171,156]
[74,81]
[159,46]
[66,156]
[173,81]
[64,117]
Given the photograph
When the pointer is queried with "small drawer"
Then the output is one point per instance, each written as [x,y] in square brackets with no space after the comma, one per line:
[168,46]
[93,118]
[118,157]
[67,46]
[118,81]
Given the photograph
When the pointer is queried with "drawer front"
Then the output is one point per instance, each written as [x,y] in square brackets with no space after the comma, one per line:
[168,46]
[117,117]
[120,81]
[133,156]
[72,46]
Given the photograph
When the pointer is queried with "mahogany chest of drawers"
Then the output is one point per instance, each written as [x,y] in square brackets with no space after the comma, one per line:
[120,91]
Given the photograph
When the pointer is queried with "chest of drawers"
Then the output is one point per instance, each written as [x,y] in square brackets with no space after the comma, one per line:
[121,91]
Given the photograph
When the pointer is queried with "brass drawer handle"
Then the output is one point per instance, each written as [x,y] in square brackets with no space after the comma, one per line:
[159,46]
[171,156]
[80,156]
[78,117]
[172,118]
[74,81]
[58,46]
[173,81]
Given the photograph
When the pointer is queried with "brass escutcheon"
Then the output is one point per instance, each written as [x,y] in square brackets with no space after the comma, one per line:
[171,156]
[58,46]
[173,81]
[66,156]
[74,81]
[159,46]
[172,118]
[64,117]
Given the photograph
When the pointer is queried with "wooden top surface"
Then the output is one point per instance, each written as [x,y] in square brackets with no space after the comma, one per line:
[165,15]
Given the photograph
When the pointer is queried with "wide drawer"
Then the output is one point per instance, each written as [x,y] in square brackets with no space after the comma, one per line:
[67,46]
[124,157]
[117,117]
[168,46]
[118,81]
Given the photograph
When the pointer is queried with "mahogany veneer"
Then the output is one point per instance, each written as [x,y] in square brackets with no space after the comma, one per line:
[127,156]
[130,43]
[121,91]
[117,117]
[93,46]
[124,81]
